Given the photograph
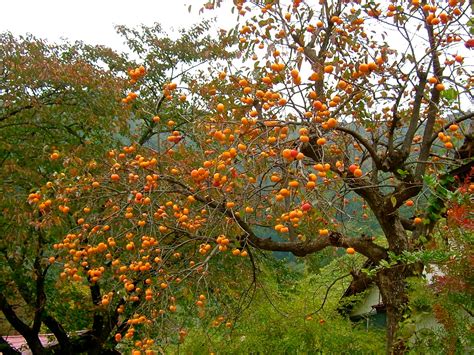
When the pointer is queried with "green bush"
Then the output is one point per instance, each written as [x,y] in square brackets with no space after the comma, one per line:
[280,320]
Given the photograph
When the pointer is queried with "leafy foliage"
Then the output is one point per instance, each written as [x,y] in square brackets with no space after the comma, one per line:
[277,319]
[56,101]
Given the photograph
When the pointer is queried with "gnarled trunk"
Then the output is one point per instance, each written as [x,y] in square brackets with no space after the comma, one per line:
[392,286]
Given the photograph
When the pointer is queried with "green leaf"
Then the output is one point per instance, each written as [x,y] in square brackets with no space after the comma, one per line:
[394,201]
[449,94]
[429,180]
[470,24]
[402,172]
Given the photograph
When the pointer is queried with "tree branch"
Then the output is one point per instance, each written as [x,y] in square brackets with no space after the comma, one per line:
[58,331]
[395,120]
[420,89]
[327,293]
[31,337]
[433,107]
[403,192]
[457,120]
[149,132]
[98,322]
[364,142]
[407,224]
[12,318]
[365,246]
[40,297]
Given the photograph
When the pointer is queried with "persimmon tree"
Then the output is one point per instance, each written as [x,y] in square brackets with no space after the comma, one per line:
[168,62]
[328,103]
[62,105]
[55,100]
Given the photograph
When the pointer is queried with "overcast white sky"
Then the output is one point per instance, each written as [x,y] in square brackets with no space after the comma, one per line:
[92,21]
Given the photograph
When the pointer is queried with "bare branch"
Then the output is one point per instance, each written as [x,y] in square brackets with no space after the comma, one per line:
[433,107]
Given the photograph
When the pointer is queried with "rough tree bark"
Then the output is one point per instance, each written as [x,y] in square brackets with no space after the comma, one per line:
[392,286]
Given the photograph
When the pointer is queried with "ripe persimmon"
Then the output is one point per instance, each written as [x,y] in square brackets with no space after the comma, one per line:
[328,69]
[220,107]
[358,173]
[350,251]
[364,68]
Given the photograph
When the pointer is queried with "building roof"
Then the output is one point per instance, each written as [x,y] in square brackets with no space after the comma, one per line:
[19,343]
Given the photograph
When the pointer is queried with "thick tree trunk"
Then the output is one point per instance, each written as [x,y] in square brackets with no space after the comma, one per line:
[34,344]
[30,335]
[85,343]
[392,286]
